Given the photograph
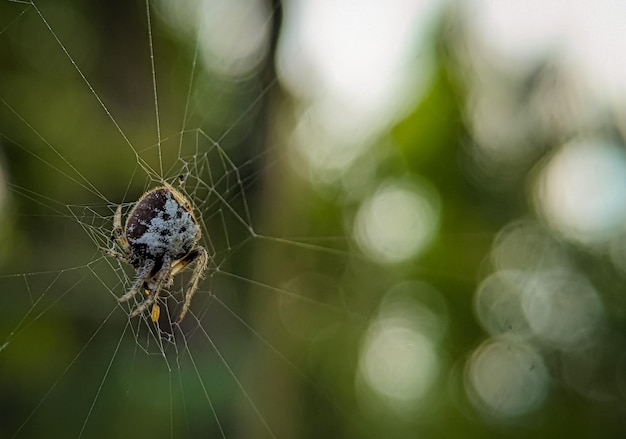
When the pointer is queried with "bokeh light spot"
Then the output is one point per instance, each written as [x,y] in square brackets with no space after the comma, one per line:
[419,303]
[498,303]
[320,156]
[398,361]
[505,378]
[562,308]
[353,63]
[525,245]
[233,35]
[398,221]
[580,191]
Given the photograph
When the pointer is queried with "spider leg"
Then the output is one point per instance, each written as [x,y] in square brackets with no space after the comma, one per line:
[118,231]
[200,255]
[114,254]
[118,235]
[144,305]
[181,264]
[161,280]
[143,274]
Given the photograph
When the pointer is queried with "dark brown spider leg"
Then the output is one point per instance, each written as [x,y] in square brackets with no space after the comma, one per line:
[202,257]
[164,273]
[181,264]
[143,274]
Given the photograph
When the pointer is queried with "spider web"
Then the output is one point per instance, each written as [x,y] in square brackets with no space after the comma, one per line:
[256,330]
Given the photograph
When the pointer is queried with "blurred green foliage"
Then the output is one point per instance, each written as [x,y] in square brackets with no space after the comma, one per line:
[287,306]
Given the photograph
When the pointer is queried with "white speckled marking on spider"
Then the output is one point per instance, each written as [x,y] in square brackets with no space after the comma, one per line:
[171,231]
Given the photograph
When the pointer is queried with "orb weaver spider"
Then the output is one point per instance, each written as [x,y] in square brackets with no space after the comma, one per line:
[160,239]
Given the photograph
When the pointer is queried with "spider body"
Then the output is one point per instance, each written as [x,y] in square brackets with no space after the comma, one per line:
[160,238]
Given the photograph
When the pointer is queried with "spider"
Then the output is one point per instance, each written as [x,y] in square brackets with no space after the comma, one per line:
[159,240]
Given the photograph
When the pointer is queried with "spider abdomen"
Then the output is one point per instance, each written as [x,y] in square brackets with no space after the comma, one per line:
[159,225]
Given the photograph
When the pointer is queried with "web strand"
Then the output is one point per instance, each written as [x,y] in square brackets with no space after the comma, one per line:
[91,89]
[154,86]
[220,185]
